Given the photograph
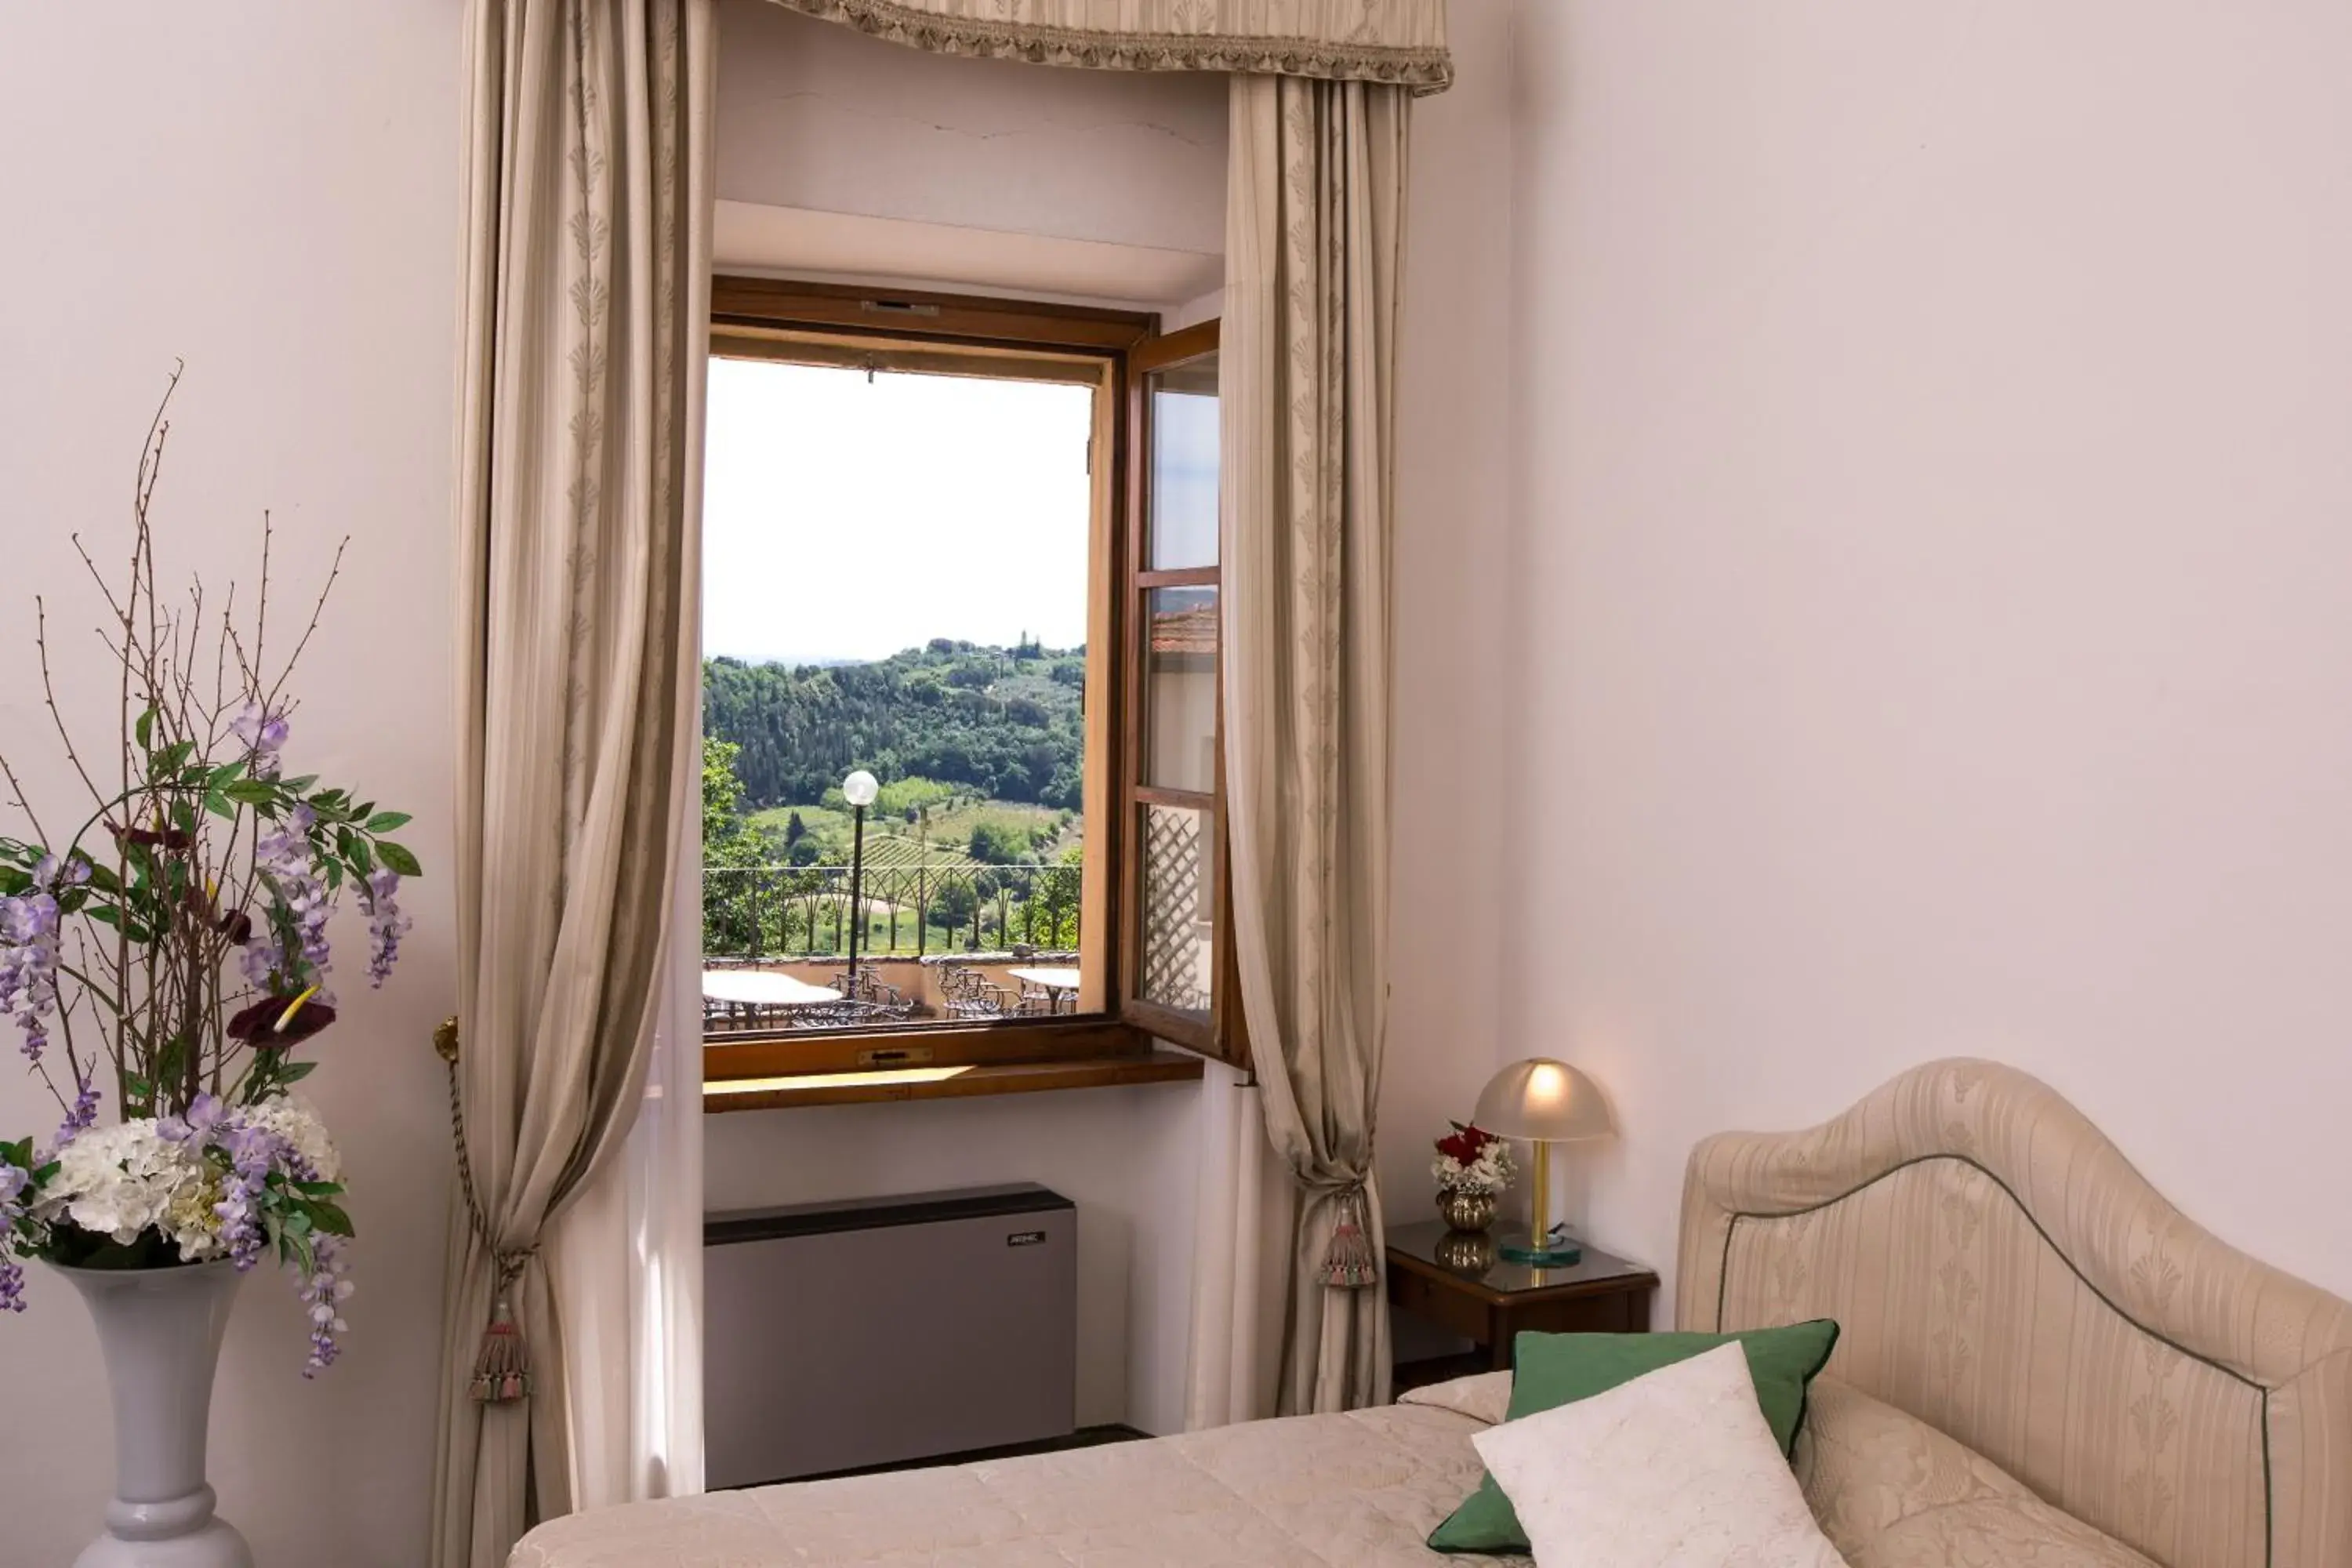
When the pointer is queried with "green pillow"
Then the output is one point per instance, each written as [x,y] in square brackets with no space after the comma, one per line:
[1553,1370]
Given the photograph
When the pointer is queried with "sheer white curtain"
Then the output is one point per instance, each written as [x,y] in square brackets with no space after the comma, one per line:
[627,1263]
[1236,1317]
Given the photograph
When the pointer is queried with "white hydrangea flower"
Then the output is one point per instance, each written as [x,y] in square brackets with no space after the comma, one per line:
[119,1180]
[296,1120]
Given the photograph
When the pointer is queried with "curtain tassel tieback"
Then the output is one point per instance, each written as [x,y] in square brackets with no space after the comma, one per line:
[1349,1263]
[502,1366]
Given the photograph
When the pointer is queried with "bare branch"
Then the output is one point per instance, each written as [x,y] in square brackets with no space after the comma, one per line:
[49,696]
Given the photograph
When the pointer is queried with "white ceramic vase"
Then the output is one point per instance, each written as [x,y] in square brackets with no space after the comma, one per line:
[161,1330]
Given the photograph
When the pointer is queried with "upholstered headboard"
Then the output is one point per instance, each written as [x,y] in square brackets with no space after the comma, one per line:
[2001,1271]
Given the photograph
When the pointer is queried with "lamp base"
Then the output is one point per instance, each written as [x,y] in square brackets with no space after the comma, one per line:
[1555,1250]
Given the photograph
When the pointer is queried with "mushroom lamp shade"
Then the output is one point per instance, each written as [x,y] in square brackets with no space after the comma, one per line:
[860,788]
[1542,1102]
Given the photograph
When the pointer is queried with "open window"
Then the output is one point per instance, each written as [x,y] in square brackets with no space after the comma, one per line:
[967,549]
[1178,936]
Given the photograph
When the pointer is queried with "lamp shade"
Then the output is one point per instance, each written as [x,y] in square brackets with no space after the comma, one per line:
[860,788]
[1544,1101]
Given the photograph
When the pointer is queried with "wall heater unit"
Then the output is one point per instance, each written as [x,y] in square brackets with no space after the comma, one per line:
[879,1331]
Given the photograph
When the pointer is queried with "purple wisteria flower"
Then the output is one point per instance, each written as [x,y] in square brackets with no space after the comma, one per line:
[386,925]
[323,1291]
[252,1154]
[204,1114]
[12,1183]
[82,1114]
[264,731]
[28,952]
[284,859]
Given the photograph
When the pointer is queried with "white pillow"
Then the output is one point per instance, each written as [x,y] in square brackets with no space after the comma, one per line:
[1675,1469]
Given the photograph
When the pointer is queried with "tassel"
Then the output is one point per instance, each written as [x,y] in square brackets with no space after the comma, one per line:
[502,1367]
[1349,1264]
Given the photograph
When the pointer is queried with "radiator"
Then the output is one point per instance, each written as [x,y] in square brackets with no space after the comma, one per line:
[879,1331]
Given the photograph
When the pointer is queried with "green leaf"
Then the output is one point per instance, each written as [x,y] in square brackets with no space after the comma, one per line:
[227,771]
[145,731]
[388,822]
[170,759]
[250,792]
[296,786]
[318,1189]
[329,1217]
[295,1072]
[397,856]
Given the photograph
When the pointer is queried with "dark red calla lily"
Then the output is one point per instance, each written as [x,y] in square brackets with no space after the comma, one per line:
[276,1022]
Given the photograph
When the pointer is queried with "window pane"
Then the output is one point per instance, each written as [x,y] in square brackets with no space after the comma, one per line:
[1184,465]
[896,581]
[1181,690]
[1179,908]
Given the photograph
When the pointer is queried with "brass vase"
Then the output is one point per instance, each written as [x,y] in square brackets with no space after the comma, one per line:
[1466,1210]
[1469,1253]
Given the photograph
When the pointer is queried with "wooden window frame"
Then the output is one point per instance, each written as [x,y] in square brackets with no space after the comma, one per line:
[1221,1034]
[1113,349]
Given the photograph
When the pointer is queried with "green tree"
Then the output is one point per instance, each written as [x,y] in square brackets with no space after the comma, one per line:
[994,844]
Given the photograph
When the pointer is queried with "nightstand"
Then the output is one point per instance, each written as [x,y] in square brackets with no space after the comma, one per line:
[1458,1281]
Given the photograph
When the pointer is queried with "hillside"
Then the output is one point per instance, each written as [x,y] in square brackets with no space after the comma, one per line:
[1001,723]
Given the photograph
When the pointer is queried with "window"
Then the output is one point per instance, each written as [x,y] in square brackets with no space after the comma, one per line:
[967,548]
[1176,864]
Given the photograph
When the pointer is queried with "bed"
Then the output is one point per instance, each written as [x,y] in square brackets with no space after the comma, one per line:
[2043,1364]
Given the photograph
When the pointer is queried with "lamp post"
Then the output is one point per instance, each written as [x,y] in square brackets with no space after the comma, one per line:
[859,789]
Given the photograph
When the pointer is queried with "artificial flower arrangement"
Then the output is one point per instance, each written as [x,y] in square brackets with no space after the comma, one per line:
[172,950]
[1471,1160]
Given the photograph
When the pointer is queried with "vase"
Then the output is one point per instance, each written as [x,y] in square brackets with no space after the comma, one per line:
[1469,1253]
[1466,1210]
[161,1331]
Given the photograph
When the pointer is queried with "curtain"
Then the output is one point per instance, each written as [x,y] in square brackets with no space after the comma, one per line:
[583,323]
[1313,249]
[1401,41]
[625,1264]
[1222,1359]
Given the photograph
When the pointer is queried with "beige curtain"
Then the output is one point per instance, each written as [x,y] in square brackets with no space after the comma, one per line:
[1313,248]
[583,323]
[1401,41]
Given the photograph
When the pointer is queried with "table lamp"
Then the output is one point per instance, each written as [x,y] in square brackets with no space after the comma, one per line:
[1543,1102]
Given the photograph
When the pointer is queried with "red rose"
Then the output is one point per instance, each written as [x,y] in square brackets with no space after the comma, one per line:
[1466,1144]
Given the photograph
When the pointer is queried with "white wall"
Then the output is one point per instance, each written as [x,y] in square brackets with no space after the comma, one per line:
[1457,832]
[269,190]
[1932,621]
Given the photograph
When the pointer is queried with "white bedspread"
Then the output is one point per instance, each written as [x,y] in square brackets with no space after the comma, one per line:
[1358,1490]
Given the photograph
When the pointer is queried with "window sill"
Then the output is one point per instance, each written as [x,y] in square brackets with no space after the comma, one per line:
[971,1081]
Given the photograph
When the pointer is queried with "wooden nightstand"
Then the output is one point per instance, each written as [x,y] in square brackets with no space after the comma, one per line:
[1456,1281]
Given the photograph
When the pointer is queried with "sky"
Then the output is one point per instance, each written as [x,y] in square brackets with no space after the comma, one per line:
[845,519]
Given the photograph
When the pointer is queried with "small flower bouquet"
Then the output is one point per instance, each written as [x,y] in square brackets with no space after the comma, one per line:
[171,951]
[1471,1160]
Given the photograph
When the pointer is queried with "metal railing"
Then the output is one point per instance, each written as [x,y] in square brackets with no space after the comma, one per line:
[803,912]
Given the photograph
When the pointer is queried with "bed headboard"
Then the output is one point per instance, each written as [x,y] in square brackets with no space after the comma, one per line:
[2002,1272]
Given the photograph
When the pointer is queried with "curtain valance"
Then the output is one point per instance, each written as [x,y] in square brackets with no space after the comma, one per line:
[1399,41]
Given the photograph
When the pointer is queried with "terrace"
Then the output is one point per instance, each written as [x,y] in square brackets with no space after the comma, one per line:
[954,941]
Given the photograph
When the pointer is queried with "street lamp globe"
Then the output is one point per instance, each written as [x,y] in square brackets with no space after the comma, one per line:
[860,788]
